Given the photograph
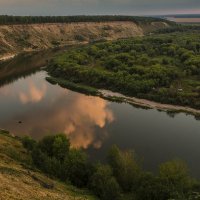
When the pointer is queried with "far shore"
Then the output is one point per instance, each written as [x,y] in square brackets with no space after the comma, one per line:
[150,104]
[7,56]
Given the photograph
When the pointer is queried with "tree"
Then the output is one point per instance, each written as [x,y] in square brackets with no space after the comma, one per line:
[125,168]
[76,168]
[104,184]
[174,175]
[55,146]
[28,143]
[150,188]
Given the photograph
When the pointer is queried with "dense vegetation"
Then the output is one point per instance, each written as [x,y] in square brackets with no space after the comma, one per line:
[185,16]
[160,67]
[5,19]
[73,86]
[20,180]
[180,28]
[122,177]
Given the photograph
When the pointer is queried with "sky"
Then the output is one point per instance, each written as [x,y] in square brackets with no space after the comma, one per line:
[99,7]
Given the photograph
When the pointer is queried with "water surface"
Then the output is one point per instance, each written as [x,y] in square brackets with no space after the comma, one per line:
[92,123]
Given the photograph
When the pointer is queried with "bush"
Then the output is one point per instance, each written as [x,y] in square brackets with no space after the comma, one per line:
[55,146]
[123,174]
[125,168]
[50,153]
[76,168]
[104,184]
[174,175]
[150,188]
[28,143]
[79,37]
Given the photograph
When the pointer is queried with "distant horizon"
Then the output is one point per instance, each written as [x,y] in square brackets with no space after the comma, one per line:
[98,7]
[171,14]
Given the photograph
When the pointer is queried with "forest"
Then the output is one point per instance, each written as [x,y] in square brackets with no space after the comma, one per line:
[179,28]
[120,178]
[6,19]
[160,67]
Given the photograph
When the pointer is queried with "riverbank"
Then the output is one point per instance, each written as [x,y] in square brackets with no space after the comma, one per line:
[148,104]
[114,96]
[9,56]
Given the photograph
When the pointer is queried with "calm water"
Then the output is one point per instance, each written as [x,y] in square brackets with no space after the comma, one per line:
[91,122]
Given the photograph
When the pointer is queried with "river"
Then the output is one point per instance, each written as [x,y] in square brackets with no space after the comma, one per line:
[29,105]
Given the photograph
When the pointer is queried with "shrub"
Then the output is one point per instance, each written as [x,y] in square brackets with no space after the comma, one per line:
[79,37]
[104,184]
[150,188]
[174,175]
[28,143]
[76,168]
[125,168]
[55,146]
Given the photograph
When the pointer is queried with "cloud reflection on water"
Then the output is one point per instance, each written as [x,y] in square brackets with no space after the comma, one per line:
[86,113]
[34,94]
[47,109]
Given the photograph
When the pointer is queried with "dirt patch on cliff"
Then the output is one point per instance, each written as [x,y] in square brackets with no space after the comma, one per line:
[18,38]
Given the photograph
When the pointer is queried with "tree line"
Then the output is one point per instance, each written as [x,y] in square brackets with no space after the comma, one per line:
[179,28]
[120,178]
[6,19]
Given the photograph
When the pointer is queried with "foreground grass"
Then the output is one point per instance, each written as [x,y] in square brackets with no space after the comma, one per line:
[20,181]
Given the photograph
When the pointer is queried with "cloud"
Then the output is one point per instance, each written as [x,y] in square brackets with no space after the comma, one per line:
[74,7]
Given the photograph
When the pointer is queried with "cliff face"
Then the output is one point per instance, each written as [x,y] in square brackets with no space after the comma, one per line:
[18,38]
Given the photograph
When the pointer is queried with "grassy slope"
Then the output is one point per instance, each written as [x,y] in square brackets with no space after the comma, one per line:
[19,181]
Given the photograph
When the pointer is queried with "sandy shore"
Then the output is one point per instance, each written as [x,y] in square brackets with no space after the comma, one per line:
[150,104]
[7,57]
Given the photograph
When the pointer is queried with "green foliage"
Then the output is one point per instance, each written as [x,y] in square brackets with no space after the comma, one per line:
[77,168]
[55,43]
[79,37]
[125,168]
[5,19]
[55,146]
[174,175]
[49,154]
[53,156]
[28,143]
[73,86]
[154,67]
[122,177]
[150,188]
[173,182]
[178,28]
[104,184]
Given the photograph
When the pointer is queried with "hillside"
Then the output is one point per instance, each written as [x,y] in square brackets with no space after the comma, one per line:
[16,38]
[19,181]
